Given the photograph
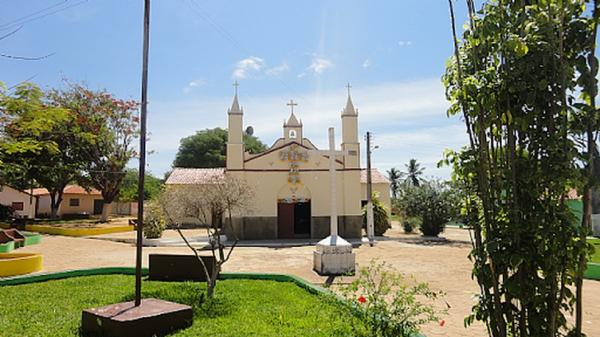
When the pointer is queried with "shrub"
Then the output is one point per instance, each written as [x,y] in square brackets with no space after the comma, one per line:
[154,221]
[380,216]
[433,203]
[385,305]
[410,223]
[6,213]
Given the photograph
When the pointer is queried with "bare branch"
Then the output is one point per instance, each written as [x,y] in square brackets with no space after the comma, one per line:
[206,273]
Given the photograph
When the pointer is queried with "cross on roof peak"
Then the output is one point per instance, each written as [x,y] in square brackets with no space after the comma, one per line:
[235,86]
[292,104]
[348,86]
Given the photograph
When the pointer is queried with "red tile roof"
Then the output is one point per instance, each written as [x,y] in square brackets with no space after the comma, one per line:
[189,176]
[69,189]
[376,177]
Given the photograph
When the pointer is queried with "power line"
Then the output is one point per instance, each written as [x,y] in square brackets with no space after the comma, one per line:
[32,14]
[19,83]
[26,58]
[225,34]
[35,18]
[11,33]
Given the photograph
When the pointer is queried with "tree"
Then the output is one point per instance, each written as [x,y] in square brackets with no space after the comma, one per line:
[129,186]
[52,140]
[413,173]
[208,203]
[114,125]
[513,79]
[394,176]
[207,148]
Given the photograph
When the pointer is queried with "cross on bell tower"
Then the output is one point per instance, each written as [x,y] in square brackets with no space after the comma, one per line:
[292,104]
[292,128]
[235,86]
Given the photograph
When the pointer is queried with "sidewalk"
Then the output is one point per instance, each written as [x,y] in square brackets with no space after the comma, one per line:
[198,239]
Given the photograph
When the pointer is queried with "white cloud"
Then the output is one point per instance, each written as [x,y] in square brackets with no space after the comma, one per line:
[193,84]
[278,70]
[247,66]
[366,63]
[408,120]
[404,43]
[319,65]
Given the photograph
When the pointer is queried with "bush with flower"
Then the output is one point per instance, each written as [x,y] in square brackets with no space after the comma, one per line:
[386,304]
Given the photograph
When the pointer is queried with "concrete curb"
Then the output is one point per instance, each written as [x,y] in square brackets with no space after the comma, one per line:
[77,232]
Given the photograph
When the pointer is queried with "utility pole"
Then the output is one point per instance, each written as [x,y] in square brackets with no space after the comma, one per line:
[370,220]
[142,169]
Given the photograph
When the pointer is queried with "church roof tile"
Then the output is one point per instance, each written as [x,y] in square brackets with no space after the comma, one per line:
[376,177]
[190,176]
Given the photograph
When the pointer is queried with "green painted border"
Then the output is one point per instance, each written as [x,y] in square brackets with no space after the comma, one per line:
[593,271]
[30,239]
[7,247]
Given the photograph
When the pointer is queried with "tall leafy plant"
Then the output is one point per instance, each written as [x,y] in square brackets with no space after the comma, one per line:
[514,78]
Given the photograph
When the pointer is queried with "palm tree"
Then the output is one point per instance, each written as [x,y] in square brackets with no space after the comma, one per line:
[394,175]
[413,172]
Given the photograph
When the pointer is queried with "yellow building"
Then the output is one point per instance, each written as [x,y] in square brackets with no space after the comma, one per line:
[291,182]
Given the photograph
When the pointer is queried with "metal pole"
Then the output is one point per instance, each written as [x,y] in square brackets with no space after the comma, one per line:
[370,220]
[142,169]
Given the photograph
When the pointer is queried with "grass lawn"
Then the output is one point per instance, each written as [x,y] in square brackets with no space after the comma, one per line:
[596,256]
[241,307]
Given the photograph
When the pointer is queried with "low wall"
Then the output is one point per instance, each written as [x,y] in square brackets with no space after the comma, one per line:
[12,264]
[77,231]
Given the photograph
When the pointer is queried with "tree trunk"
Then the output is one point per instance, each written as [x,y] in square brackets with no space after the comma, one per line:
[105,212]
[212,282]
[55,200]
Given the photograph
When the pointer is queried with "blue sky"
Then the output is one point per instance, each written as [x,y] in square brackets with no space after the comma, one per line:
[392,52]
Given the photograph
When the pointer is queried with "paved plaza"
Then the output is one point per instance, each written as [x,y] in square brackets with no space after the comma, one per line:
[443,264]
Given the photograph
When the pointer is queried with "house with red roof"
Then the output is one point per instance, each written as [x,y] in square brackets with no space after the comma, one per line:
[76,200]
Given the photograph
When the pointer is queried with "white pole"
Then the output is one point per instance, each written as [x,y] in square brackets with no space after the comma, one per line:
[333,220]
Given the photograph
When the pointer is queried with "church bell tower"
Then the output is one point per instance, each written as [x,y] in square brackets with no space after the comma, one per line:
[350,144]
[235,141]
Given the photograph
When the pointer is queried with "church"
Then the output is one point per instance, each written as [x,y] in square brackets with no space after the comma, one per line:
[291,180]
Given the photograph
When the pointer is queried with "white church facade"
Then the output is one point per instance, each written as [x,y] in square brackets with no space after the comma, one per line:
[291,180]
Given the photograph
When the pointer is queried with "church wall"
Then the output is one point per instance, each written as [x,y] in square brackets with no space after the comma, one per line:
[268,186]
[383,192]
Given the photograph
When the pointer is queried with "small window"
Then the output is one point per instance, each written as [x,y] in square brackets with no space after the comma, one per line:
[74,202]
[17,206]
[292,133]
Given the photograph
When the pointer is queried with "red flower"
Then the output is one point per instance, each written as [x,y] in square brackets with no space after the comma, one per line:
[362,299]
[442,322]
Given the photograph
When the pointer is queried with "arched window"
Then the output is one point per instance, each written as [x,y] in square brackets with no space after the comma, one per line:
[292,133]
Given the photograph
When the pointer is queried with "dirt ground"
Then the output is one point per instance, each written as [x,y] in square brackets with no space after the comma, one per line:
[444,265]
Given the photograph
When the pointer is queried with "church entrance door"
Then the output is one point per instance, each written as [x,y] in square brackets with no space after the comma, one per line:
[293,220]
[285,221]
[302,219]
